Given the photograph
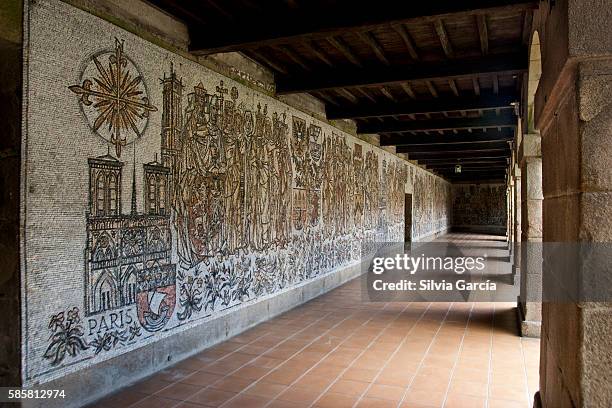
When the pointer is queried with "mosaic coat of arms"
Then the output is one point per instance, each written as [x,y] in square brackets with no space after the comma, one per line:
[113,97]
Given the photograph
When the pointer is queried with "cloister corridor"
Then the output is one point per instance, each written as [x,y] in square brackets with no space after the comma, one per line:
[306,203]
[340,351]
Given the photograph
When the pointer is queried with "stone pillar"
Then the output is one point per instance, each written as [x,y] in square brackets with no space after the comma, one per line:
[510,213]
[10,167]
[516,236]
[530,259]
[573,111]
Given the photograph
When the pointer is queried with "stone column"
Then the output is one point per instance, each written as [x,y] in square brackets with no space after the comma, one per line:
[573,112]
[530,257]
[516,236]
[510,213]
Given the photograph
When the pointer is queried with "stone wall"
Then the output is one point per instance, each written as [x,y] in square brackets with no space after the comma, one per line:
[479,208]
[573,112]
[168,207]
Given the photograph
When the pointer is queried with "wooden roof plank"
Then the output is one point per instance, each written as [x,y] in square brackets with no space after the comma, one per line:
[351,77]
[505,119]
[341,17]
[485,101]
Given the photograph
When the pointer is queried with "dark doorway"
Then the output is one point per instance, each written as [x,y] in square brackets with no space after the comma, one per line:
[408,218]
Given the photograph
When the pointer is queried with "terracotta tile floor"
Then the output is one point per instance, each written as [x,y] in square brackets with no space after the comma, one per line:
[338,351]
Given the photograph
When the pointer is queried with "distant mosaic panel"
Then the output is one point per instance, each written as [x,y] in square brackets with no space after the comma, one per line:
[479,205]
[179,194]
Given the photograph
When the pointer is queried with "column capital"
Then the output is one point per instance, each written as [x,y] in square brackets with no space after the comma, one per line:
[531,146]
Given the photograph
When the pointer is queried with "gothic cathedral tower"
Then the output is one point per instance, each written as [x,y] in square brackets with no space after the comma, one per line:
[172,123]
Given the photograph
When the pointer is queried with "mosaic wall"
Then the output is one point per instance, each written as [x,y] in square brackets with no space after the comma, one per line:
[159,194]
[479,205]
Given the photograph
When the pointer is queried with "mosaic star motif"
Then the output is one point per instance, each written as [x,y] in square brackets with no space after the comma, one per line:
[114,99]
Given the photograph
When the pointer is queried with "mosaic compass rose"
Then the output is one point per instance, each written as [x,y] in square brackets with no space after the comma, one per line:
[114,98]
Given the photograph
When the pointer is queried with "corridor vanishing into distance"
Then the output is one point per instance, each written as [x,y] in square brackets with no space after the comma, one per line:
[306,203]
[338,350]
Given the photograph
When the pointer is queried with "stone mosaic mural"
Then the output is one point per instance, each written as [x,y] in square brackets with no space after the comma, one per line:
[479,205]
[161,194]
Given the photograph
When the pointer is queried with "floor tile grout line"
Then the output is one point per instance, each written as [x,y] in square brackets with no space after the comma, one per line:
[490,368]
[452,373]
[331,351]
[230,353]
[392,354]
[363,352]
[290,357]
[525,372]
[424,355]
[171,383]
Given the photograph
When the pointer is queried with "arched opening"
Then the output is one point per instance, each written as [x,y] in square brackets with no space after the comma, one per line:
[112,187]
[101,194]
[152,194]
[129,287]
[105,292]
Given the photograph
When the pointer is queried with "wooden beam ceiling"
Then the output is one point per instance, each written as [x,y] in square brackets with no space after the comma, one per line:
[328,79]
[466,166]
[435,79]
[309,22]
[504,120]
[474,160]
[485,101]
[503,135]
[458,155]
[454,147]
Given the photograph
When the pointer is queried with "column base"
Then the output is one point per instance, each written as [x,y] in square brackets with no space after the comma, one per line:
[529,328]
[516,272]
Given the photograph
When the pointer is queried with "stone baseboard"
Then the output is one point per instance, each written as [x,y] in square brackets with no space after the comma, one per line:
[93,383]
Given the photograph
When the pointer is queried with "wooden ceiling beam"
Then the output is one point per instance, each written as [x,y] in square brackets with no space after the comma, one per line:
[511,63]
[258,55]
[387,93]
[497,165]
[432,89]
[505,135]
[481,21]
[476,85]
[465,160]
[343,47]
[288,51]
[444,40]
[505,119]
[408,89]
[327,98]
[369,39]
[312,47]
[453,87]
[407,39]
[348,95]
[277,28]
[366,94]
[457,155]
[454,147]
[485,101]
